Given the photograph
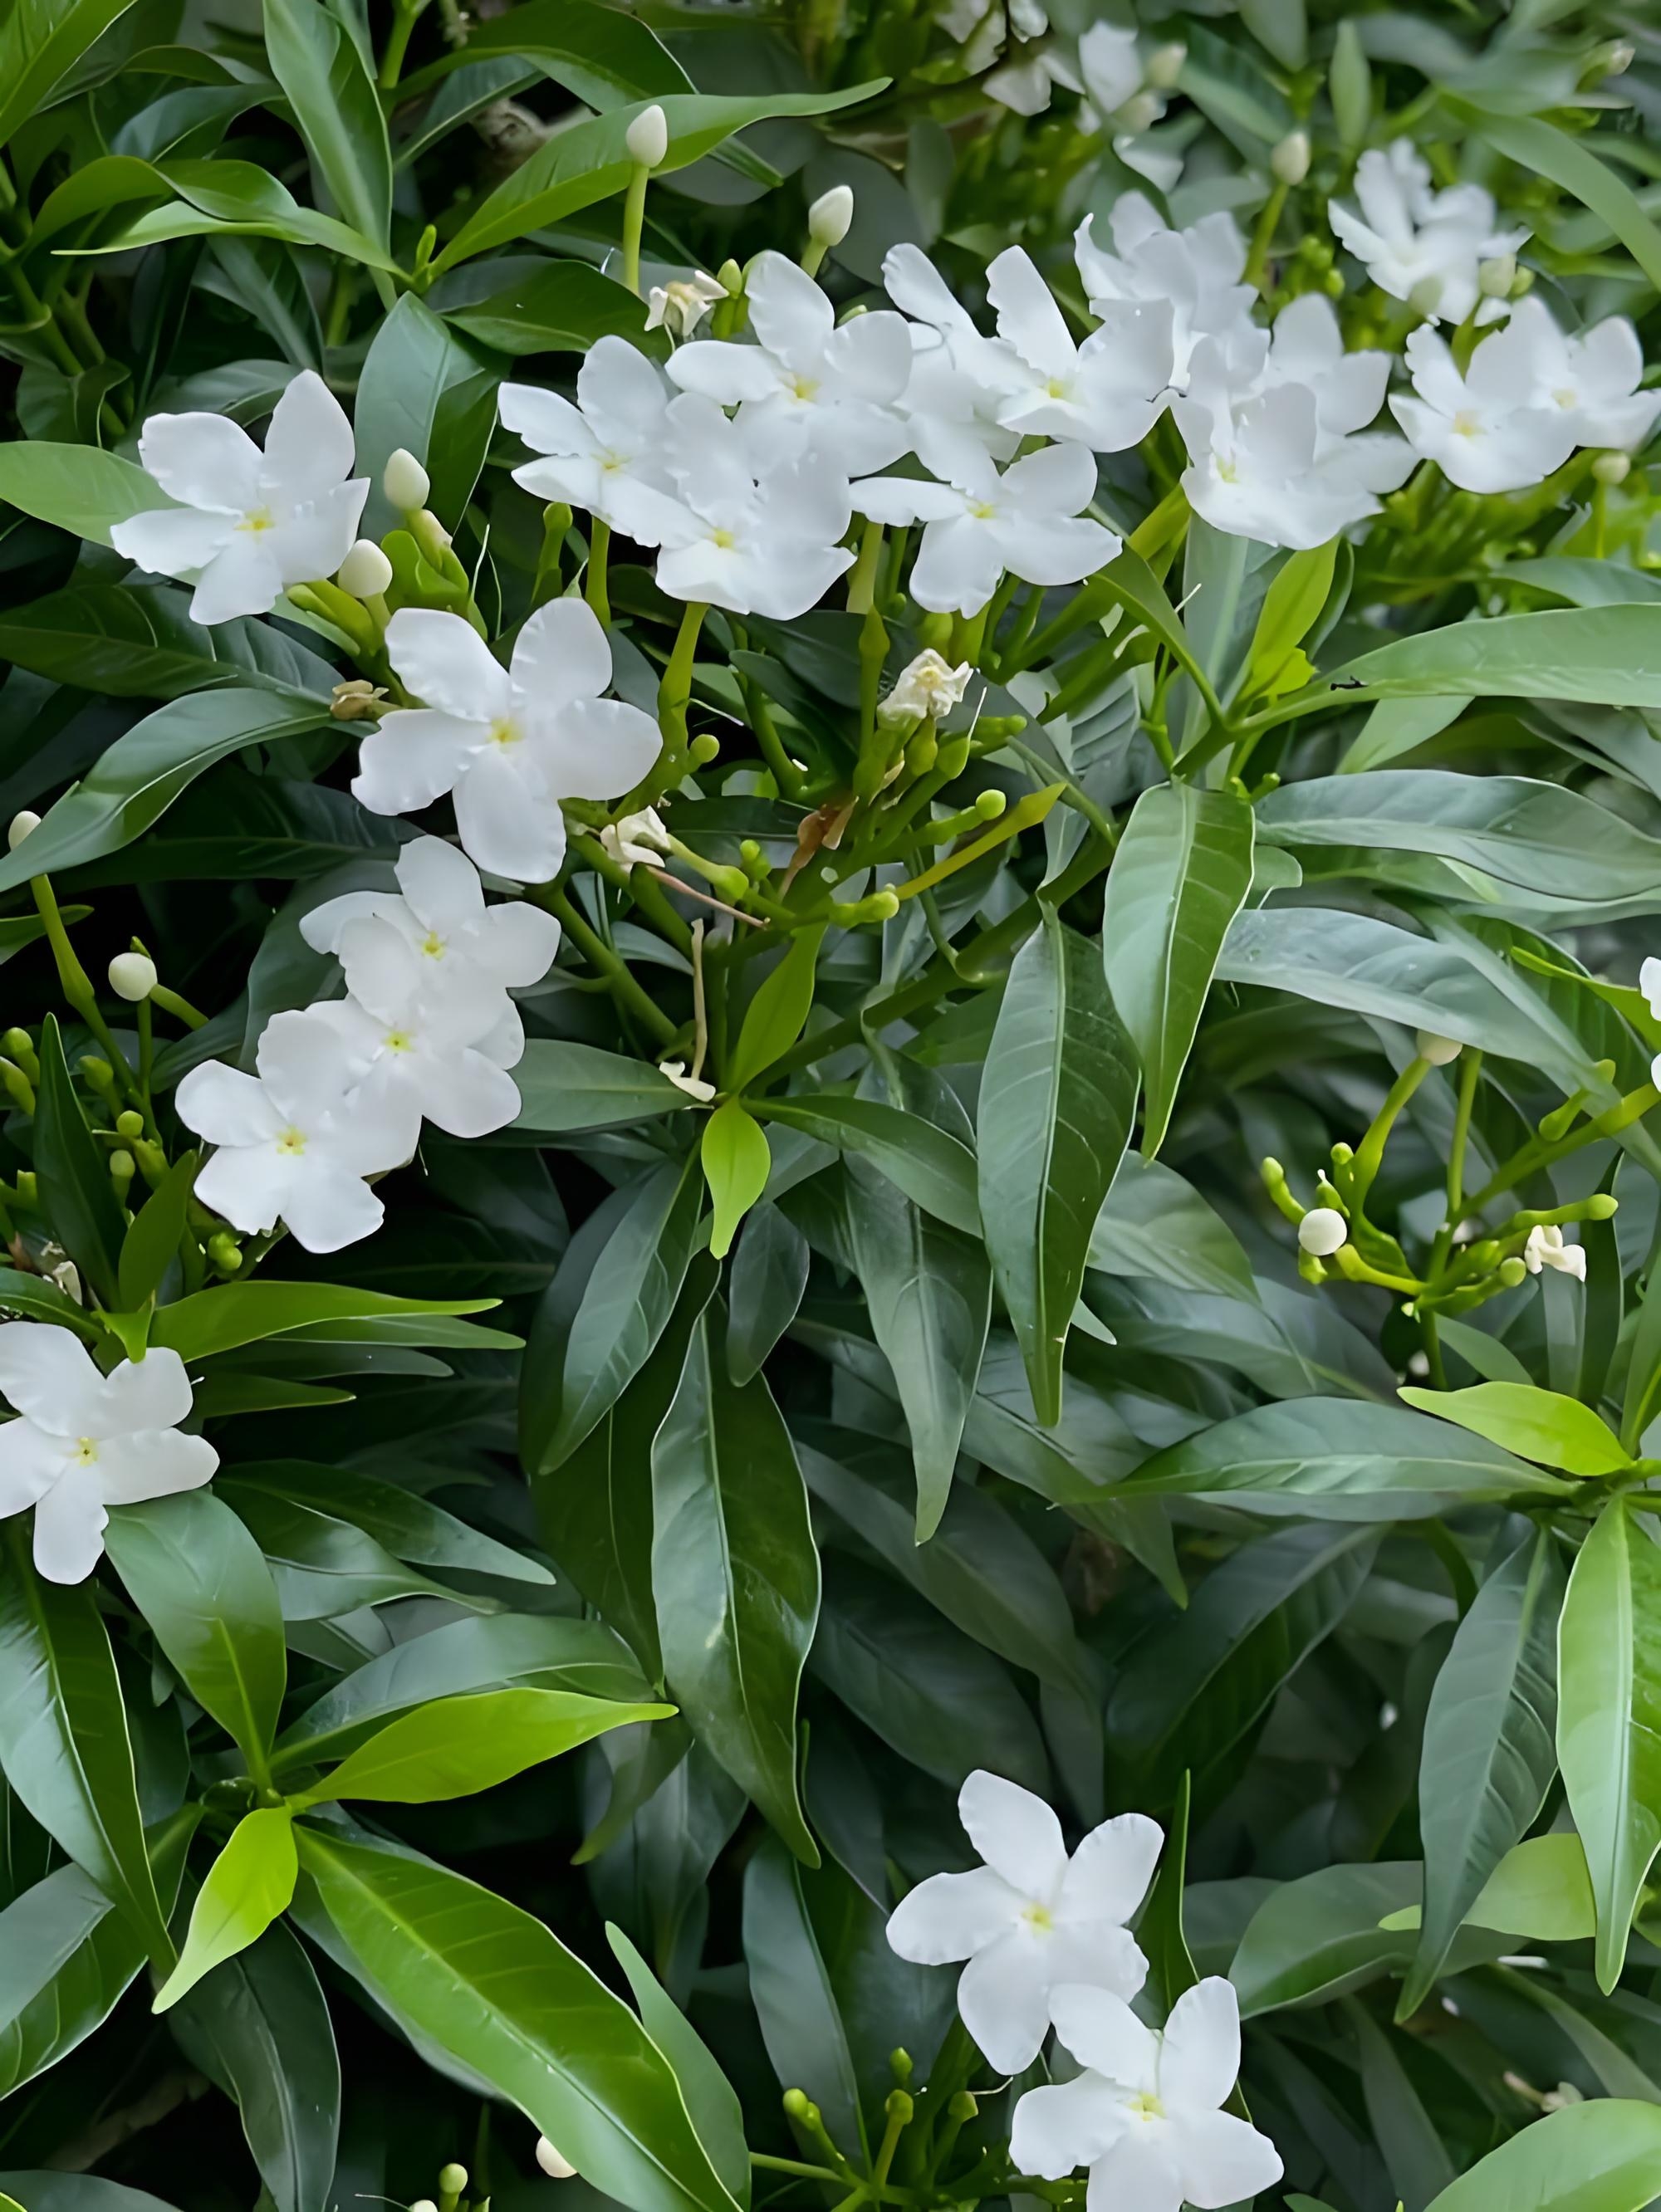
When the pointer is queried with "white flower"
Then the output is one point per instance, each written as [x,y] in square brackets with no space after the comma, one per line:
[1106,393]
[249,524]
[765,547]
[1197,270]
[1592,380]
[509,744]
[681,305]
[414,1053]
[1145,2115]
[980,524]
[465,949]
[1490,429]
[1111,67]
[807,385]
[1322,1231]
[693,1085]
[294,1143]
[1030,1918]
[1546,1248]
[605,454]
[553,2161]
[1418,245]
[929,686]
[959,378]
[85,1441]
[638,840]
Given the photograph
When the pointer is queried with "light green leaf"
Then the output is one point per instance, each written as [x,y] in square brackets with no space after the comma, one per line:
[1293,599]
[774,1018]
[313,50]
[457,1747]
[1537,1424]
[711,2100]
[1572,165]
[236,1314]
[1600,2156]
[248,1885]
[40,42]
[736,1161]
[1604,656]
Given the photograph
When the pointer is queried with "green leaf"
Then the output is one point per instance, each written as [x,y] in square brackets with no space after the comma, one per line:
[37,1299]
[556,306]
[1570,164]
[1601,2156]
[773,1020]
[74,1183]
[1340,1460]
[589,162]
[735,1576]
[736,1161]
[136,781]
[78,488]
[1608,1718]
[1170,1968]
[932,1168]
[564,1087]
[1537,1424]
[151,1243]
[1416,2156]
[226,198]
[1179,877]
[40,42]
[245,1313]
[430,391]
[929,1294]
[1603,656]
[132,642]
[410,1526]
[247,1886]
[602,56]
[1056,1106]
[1154,1223]
[1291,605]
[200,1580]
[764,1288]
[1317,1937]
[1489,1756]
[316,54]
[1541,1889]
[790,1986]
[63,1741]
[487,1984]
[605,1310]
[710,2100]
[456,1746]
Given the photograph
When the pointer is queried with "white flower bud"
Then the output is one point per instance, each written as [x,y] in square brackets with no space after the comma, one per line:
[1437,1050]
[424,2205]
[23,825]
[831,215]
[1495,278]
[1612,469]
[405,484]
[553,2162]
[1165,65]
[1290,159]
[1426,297]
[647,137]
[1139,112]
[1322,1230]
[132,977]
[366,571]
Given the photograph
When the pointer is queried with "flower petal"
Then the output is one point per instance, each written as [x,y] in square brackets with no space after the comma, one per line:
[153,1463]
[70,1521]
[173,540]
[441,884]
[957,567]
[1138,2173]
[1027,315]
[327,1209]
[308,447]
[717,369]
[151,1393]
[313,541]
[597,749]
[1002,1996]
[414,757]
[507,827]
[1015,1833]
[1102,2034]
[1222,2160]
[547,422]
[1200,2056]
[30,1465]
[1109,1872]
[245,579]
[951,1916]
[48,1374]
[1066,2124]
[206,460]
[445,662]
[247,1183]
[465,1096]
[562,654]
[226,1107]
[304,1066]
[514,945]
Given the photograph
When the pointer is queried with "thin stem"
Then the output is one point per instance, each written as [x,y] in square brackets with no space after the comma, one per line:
[634,220]
[398,45]
[624,987]
[594,584]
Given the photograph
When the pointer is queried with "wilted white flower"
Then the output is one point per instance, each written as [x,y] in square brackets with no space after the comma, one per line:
[927,686]
[980,524]
[637,840]
[693,1085]
[294,1142]
[681,305]
[807,385]
[1198,271]
[1145,2115]
[84,1441]
[1417,244]
[1494,428]
[1030,1918]
[1322,1231]
[605,455]
[507,743]
[1546,1248]
[248,524]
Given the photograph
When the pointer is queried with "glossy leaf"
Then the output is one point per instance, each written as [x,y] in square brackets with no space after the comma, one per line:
[1597,2157]
[1539,1424]
[318,54]
[734,1154]
[430,391]
[74,1180]
[457,1746]
[247,1886]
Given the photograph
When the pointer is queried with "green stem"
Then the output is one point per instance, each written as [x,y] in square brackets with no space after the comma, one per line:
[398,45]
[594,586]
[675,693]
[634,220]
[624,987]
[1263,237]
[180,1009]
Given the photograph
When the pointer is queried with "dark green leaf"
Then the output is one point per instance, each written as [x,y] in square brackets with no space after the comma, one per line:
[75,1183]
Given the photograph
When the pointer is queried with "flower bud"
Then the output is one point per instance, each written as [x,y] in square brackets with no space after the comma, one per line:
[225,1252]
[1612,469]
[1426,297]
[452,2179]
[1165,65]
[132,977]
[1138,113]
[23,825]
[1495,278]
[647,137]
[405,482]
[704,747]
[1290,159]
[1524,282]
[1437,1050]
[130,1124]
[424,2205]
[122,1166]
[1322,1230]
[366,571]
[831,214]
[553,2162]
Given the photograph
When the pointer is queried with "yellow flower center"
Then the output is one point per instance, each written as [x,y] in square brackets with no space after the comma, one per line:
[803,386]
[1056,387]
[1145,2106]
[1468,422]
[1228,472]
[724,538]
[505,731]
[1038,1918]
[982,510]
[1566,396]
[433,946]
[399,1041]
[291,1143]
[257,519]
[85,1452]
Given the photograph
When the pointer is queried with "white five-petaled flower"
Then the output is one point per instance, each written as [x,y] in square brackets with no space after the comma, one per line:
[605,453]
[1418,245]
[1030,1918]
[681,305]
[1146,2114]
[927,686]
[807,385]
[959,378]
[249,523]
[1197,271]
[294,1142]
[1592,379]
[508,743]
[84,1441]
[415,1053]
[464,949]
[637,840]
[980,524]
[1547,1247]
[1492,429]
[1106,393]
[756,536]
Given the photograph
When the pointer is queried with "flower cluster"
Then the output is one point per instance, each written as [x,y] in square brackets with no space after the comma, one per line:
[1045,1940]
[427,1031]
